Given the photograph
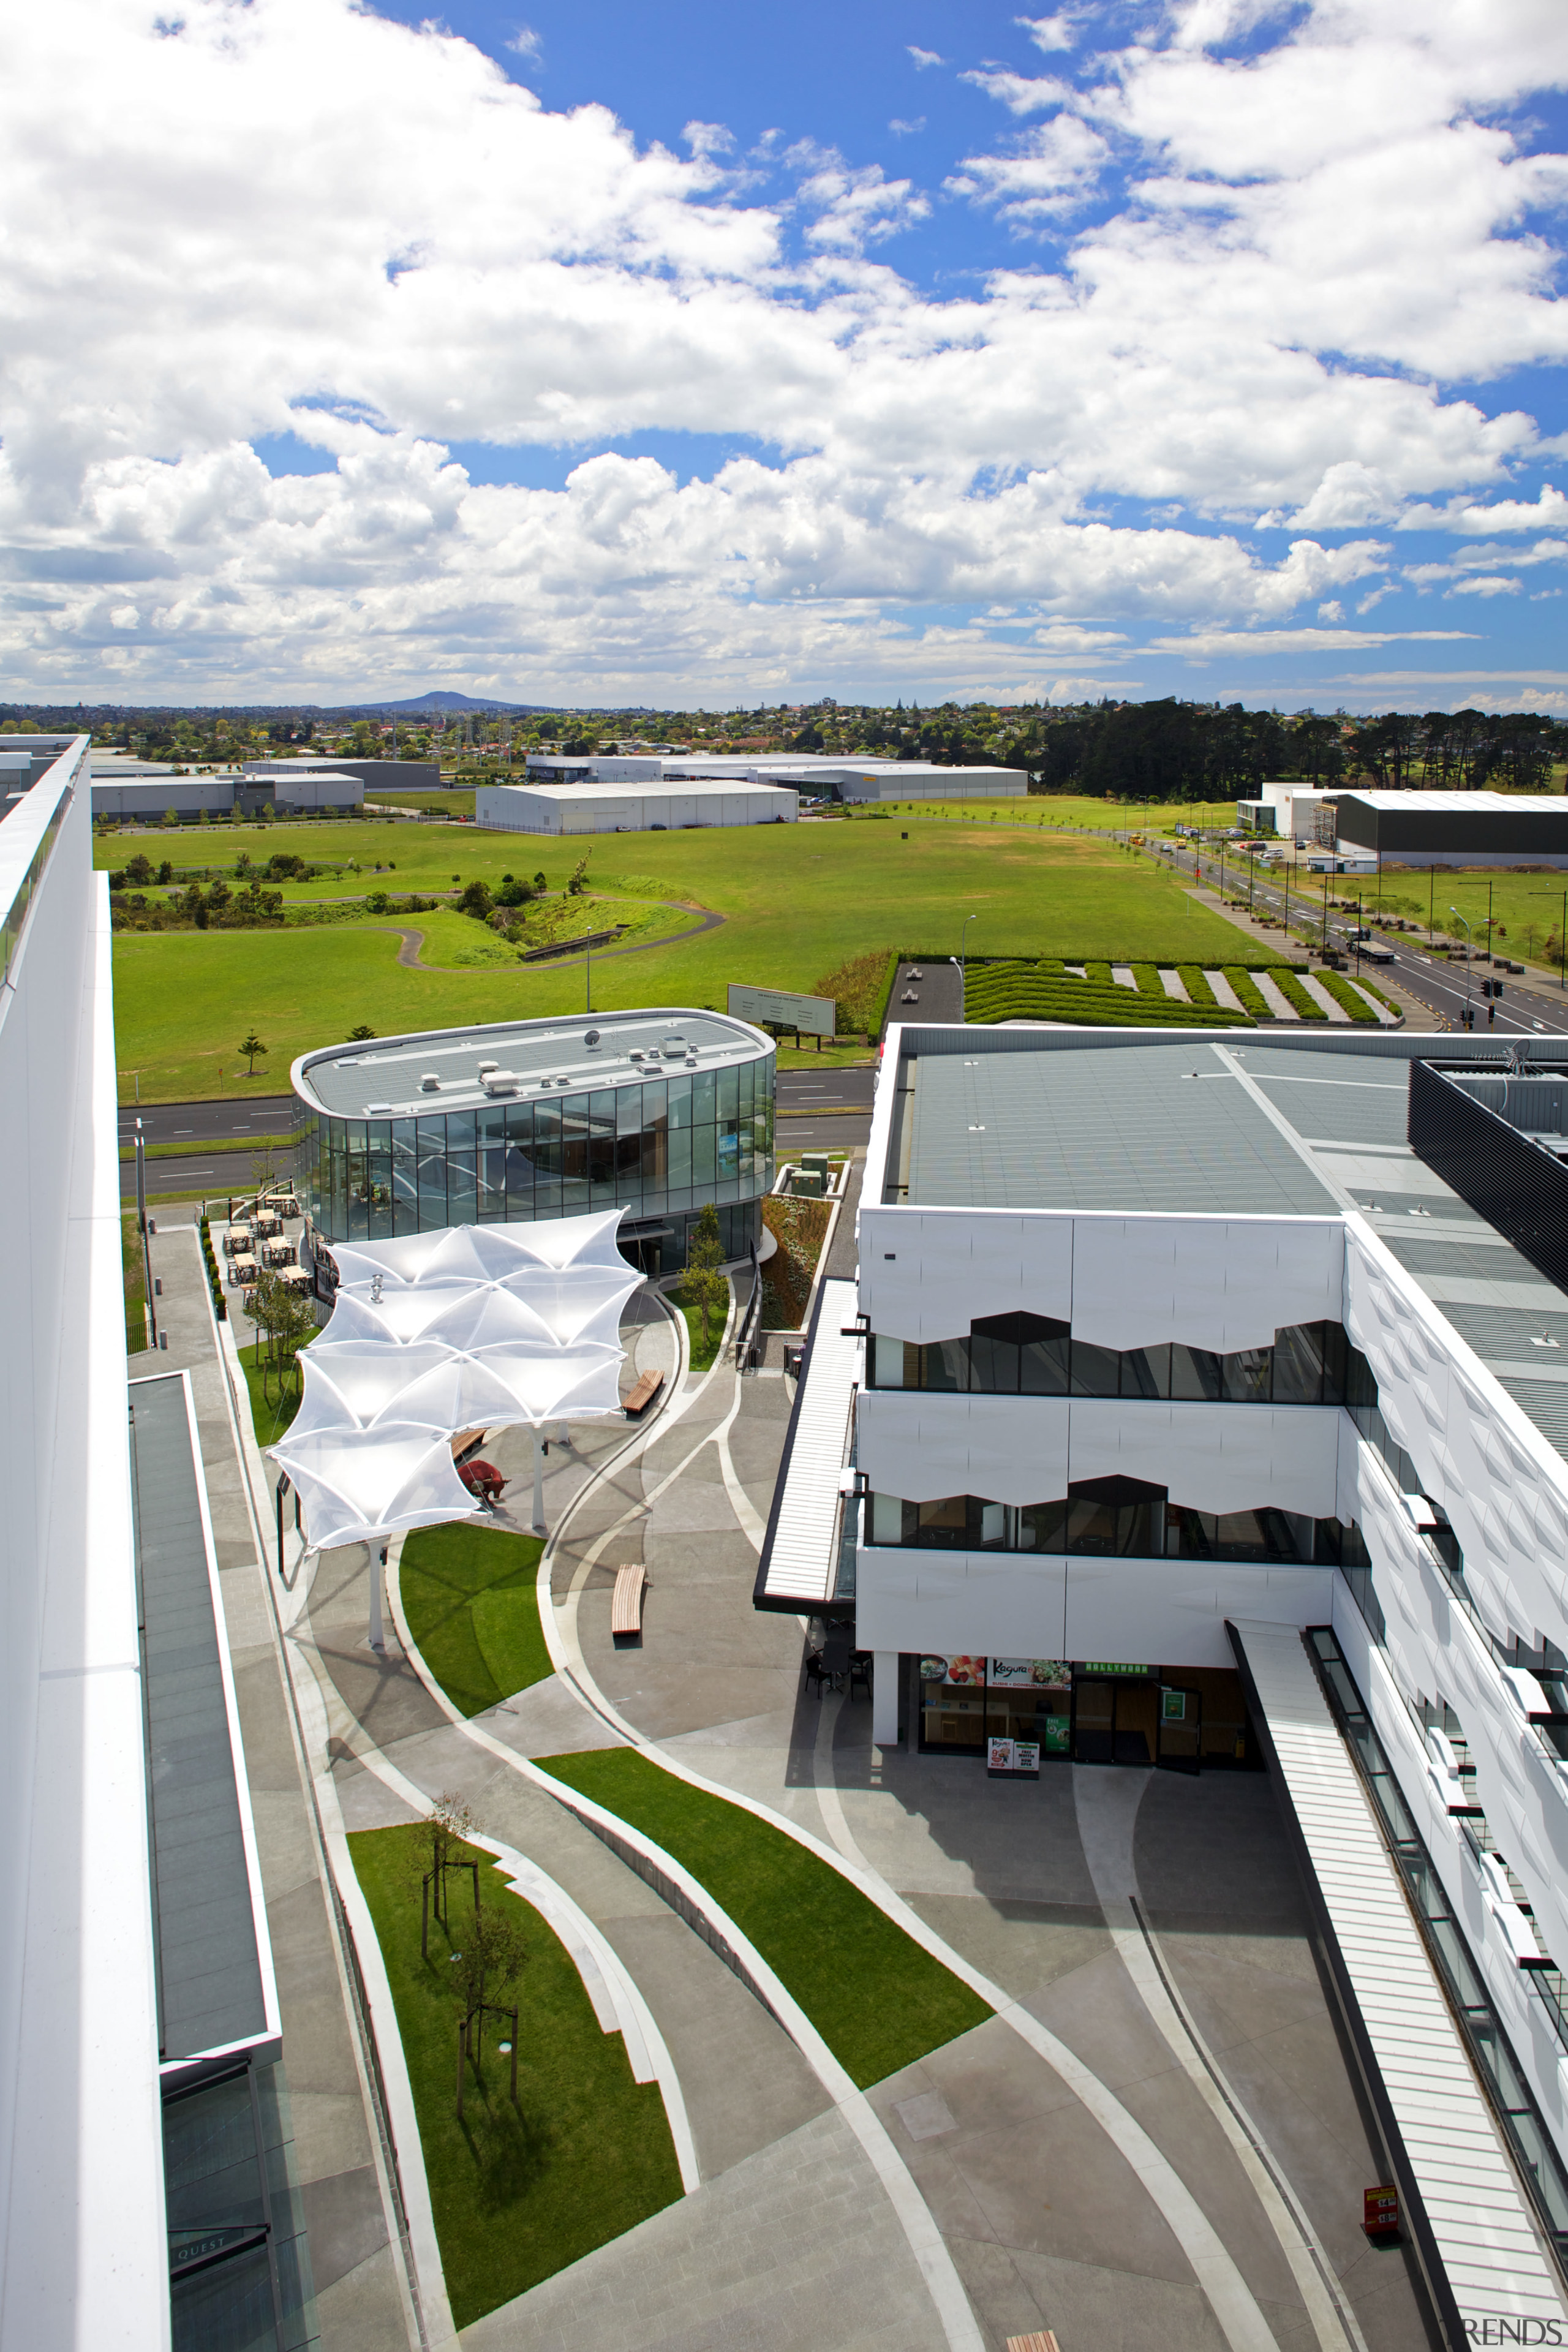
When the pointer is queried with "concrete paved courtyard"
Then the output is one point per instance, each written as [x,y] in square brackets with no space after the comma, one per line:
[1155,2145]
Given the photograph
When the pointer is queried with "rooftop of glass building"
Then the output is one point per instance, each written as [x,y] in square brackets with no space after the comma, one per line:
[463,1069]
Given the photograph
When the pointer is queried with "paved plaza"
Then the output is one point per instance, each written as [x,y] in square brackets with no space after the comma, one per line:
[1154,2146]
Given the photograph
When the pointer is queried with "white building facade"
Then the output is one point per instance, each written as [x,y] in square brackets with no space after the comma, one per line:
[1159,1352]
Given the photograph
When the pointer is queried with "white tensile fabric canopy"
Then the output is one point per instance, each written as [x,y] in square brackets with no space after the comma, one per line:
[477,1326]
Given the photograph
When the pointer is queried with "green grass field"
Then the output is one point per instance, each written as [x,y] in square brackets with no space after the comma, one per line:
[469,1596]
[798,902]
[517,2192]
[877,1999]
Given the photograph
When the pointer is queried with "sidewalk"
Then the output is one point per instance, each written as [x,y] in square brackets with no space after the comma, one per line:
[361,2298]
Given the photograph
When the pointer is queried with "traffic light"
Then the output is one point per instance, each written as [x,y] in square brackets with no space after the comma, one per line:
[1491,988]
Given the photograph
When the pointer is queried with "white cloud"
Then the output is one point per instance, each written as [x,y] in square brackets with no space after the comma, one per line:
[709,138]
[1207,643]
[1504,514]
[902,129]
[1049,31]
[1486,583]
[206,248]
[526,43]
[924,57]
[1050,171]
[1017,93]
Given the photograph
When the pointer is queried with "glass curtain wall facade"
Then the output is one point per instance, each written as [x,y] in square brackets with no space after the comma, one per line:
[659,1148]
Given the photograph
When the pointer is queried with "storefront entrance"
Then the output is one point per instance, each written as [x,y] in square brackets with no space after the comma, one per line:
[1174,1718]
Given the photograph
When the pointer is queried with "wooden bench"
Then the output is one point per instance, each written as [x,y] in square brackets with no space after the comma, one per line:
[626,1604]
[1043,2340]
[466,1442]
[637,1400]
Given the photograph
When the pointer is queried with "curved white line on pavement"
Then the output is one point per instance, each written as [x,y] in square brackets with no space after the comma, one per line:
[752,1526]
[606,1979]
[1105,1805]
[828,1797]
[1229,2297]
[926,2242]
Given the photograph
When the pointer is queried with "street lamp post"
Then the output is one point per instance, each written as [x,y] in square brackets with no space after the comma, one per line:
[963,965]
[1469,950]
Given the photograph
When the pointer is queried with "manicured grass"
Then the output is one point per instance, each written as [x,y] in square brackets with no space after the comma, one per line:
[469,1596]
[517,2192]
[1022,992]
[274,1400]
[877,1998]
[133,1268]
[799,901]
[703,1351]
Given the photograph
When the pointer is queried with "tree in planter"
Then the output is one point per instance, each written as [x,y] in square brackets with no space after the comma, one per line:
[706,1288]
[432,1856]
[487,1968]
[278,1311]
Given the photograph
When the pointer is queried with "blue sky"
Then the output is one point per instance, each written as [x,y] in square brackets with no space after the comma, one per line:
[720,355]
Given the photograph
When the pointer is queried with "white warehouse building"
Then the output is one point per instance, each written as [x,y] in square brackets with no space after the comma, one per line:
[1194,1407]
[633,806]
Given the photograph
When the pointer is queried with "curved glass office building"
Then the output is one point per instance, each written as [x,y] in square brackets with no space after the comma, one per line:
[656,1112]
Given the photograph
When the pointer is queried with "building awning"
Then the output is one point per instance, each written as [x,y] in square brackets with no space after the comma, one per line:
[470,1327]
[798,1571]
[217,1996]
[1473,2225]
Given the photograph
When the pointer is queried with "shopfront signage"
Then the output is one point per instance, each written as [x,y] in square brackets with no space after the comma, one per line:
[1380,2213]
[1108,1666]
[1014,1759]
[1030,1673]
[1173,1705]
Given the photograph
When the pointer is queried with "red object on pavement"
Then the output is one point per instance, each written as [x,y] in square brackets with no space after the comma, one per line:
[1380,2213]
[482,1478]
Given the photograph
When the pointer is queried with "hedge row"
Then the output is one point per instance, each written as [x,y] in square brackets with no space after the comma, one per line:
[1350,998]
[215,1276]
[1024,991]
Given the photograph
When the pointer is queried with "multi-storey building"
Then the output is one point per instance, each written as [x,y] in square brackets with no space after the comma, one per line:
[1197,1405]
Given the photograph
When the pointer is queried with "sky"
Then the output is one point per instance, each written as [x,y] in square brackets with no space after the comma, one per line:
[624,353]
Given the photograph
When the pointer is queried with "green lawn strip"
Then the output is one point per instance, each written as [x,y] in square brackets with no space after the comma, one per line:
[1098,975]
[703,1351]
[1344,994]
[470,1599]
[1248,994]
[1147,978]
[1291,990]
[248,1143]
[877,1999]
[135,1270]
[516,2193]
[1196,982]
[274,1399]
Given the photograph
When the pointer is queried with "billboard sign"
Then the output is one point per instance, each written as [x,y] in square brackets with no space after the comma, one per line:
[783,1009]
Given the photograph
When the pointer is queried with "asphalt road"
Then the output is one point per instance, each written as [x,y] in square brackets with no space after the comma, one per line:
[1528,1007]
[208,1122]
[832,1089]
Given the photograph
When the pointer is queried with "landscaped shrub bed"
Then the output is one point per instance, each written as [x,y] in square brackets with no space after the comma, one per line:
[1335,985]
[798,1227]
[1031,992]
[215,1275]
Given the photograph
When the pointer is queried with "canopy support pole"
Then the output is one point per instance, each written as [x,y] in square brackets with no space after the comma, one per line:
[538,1481]
[377,1563]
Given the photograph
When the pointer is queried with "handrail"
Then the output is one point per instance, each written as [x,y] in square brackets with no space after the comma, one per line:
[14,916]
[748,1321]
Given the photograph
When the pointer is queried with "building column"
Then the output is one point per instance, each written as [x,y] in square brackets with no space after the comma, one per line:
[884,1699]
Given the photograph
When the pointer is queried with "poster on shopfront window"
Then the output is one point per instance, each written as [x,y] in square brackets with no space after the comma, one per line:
[1030,1673]
[1017,1760]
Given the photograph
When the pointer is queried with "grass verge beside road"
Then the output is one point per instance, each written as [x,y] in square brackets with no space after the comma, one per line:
[469,1596]
[520,2192]
[879,1999]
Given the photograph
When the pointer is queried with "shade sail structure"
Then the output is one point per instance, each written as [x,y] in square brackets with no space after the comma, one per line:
[475,1325]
